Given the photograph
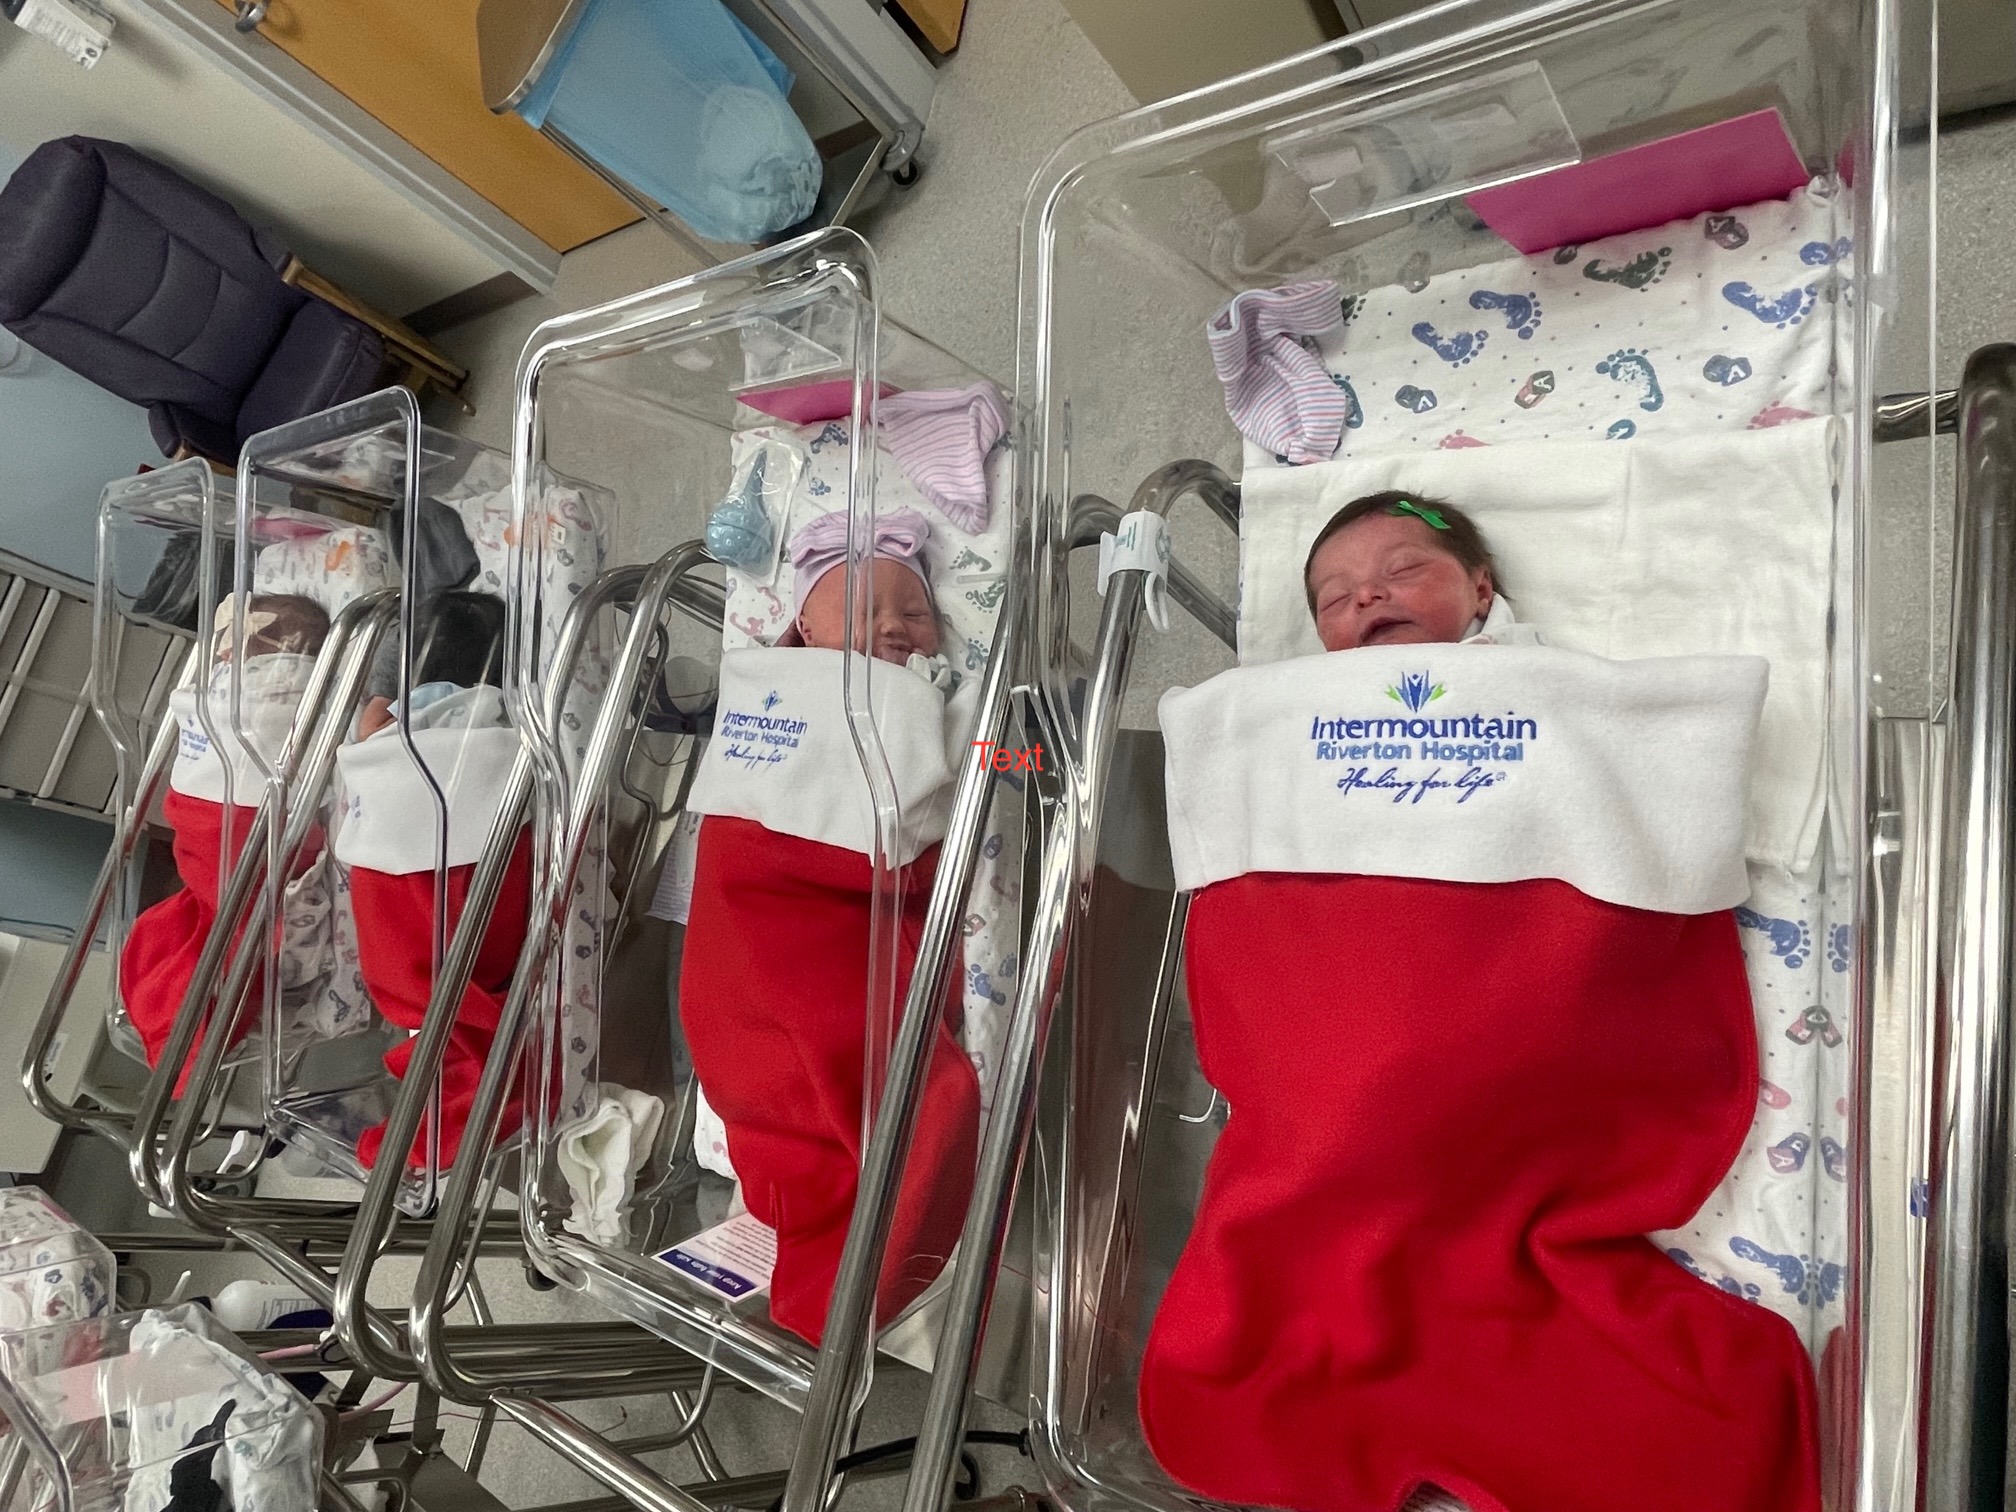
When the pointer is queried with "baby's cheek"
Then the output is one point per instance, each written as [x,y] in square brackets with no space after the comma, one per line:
[1444,612]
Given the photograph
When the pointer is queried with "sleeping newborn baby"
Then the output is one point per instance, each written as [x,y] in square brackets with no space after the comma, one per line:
[1400,569]
[773,987]
[281,634]
[388,834]
[1460,955]
[905,629]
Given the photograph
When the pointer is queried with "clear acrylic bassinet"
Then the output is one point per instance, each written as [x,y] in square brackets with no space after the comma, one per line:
[401,799]
[160,674]
[51,1270]
[137,1412]
[1410,164]
[722,413]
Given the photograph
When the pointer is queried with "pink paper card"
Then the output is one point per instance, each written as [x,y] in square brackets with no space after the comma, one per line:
[804,403]
[1739,161]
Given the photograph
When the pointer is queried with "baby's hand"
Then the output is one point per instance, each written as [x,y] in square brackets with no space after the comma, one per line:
[375,716]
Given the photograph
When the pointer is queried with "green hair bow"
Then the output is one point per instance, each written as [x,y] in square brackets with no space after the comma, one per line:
[1432,519]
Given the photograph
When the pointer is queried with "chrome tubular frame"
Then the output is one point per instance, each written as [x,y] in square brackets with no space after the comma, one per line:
[651,1364]
[834,1397]
[459,1224]
[836,1383]
[1092,517]
[338,675]
[117,1127]
[1966,1372]
[31,1442]
[1071,814]
[280,1232]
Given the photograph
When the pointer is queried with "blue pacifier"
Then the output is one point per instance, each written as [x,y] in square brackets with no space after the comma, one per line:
[739,532]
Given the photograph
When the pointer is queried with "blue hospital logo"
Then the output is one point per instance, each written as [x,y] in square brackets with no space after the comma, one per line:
[1415,692]
[1411,756]
[752,740]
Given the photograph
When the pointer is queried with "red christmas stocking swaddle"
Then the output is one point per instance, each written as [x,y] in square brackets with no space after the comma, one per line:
[1461,959]
[159,957]
[773,989]
[387,835]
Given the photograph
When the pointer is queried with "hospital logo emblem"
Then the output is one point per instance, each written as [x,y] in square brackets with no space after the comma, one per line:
[1412,755]
[771,700]
[1415,692]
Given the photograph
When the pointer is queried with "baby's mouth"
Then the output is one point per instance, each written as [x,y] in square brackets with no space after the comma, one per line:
[1381,630]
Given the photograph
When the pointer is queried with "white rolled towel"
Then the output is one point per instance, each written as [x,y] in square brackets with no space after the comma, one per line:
[600,1155]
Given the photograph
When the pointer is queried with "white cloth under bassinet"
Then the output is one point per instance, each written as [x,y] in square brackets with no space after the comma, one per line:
[180,1375]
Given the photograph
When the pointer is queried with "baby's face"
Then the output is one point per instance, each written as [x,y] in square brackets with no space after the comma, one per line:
[274,623]
[1386,581]
[904,619]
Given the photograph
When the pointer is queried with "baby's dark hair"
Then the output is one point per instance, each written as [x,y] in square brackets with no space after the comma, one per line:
[284,622]
[1458,535]
[461,639]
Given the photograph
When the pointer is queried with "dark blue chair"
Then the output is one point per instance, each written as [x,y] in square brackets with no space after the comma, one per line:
[126,273]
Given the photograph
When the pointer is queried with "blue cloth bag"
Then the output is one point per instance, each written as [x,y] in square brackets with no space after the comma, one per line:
[683,102]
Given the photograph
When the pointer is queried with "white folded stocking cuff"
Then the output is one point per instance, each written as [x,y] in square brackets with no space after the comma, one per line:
[1471,763]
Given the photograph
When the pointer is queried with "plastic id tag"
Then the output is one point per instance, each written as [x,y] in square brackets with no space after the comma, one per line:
[674,899]
[1141,544]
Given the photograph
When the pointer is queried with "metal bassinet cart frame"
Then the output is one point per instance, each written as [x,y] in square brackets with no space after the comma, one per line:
[1931,1064]
[629,327]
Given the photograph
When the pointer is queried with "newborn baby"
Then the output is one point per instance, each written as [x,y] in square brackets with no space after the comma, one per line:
[282,631]
[905,629]
[275,624]
[461,646]
[1399,569]
[387,836]
[1461,953]
[773,990]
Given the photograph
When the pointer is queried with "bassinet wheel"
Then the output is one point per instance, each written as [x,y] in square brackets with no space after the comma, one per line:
[907,175]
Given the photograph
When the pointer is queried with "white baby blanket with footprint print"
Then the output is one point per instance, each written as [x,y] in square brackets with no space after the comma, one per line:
[51,1270]
[1775,1231]
[1717,322]
[968,571]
